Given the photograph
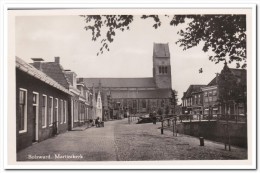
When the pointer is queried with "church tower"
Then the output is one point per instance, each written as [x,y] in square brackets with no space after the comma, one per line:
[162,66]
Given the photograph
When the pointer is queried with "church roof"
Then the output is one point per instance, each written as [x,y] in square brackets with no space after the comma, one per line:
[161,50]
[145,94]
[120,82]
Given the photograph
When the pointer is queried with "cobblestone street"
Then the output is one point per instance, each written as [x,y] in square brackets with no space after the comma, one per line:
[121,141]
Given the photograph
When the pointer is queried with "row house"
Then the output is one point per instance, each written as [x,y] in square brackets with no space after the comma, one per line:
[192,100]
[41,105]
[79,106]
[210,100]
[50,100]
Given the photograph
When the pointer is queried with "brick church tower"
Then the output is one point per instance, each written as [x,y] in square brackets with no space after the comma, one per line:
[162,66]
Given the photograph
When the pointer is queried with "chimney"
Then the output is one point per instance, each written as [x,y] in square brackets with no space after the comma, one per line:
[57,59]
[217,74]
[37,63]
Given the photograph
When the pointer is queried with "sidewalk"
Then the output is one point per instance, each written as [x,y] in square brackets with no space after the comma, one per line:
[81,128]
[93,144]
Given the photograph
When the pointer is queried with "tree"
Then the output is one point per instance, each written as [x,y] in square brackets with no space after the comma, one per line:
[167,110]
[174,99]
[231,90]
[224,35]
[160,112]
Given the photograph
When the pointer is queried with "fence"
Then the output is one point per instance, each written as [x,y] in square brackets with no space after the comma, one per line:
[204,117]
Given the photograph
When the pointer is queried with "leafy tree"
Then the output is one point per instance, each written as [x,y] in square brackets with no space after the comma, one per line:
[160,111]
[224,35]
[231,89]
[174,99]
[167,110]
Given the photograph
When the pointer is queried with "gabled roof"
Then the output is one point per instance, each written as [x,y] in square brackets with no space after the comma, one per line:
[55,71]
[213,82]
[32,71]
[239,73]
[192,89]
[161,50]
[120,82]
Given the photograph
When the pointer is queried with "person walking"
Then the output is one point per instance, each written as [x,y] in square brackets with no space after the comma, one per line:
[154,117]
[97,122]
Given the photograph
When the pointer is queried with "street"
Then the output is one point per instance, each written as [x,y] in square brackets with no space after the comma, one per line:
[120,141]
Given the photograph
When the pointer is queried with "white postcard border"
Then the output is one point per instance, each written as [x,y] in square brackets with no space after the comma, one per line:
[130,165]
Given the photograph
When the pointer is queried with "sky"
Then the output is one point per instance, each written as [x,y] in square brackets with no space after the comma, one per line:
[130,54]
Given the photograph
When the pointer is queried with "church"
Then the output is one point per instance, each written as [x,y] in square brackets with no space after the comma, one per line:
[123,96]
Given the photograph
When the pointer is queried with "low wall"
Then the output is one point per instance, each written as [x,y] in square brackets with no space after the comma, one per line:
[216,131]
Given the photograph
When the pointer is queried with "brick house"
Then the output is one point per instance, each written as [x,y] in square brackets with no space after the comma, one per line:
[41,106]
[85,106]
[68,79]
[192,100]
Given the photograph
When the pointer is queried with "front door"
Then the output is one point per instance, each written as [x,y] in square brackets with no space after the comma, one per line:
[35,117]
[34,124]
[55,117]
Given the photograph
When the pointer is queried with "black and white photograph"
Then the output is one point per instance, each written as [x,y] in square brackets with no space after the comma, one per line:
[130,85]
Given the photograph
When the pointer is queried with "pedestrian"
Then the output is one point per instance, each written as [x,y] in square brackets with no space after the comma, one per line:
[97,122]
[154,117]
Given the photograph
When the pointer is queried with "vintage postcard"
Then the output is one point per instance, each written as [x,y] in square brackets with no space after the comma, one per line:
[163,88]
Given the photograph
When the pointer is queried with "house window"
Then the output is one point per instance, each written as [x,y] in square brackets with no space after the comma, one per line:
[162,103]
[82,112]
[162,69]
[205,94]
[199,101]
[134,104]
[166,70]
[79,111]
[143,103]
[87,114]
[50,111]
[65,111]
[210,93]
[22,110]
[75,112]
[61,111]
[87,99]
[44,111]
[210,99]
[214,92]
[56,110]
